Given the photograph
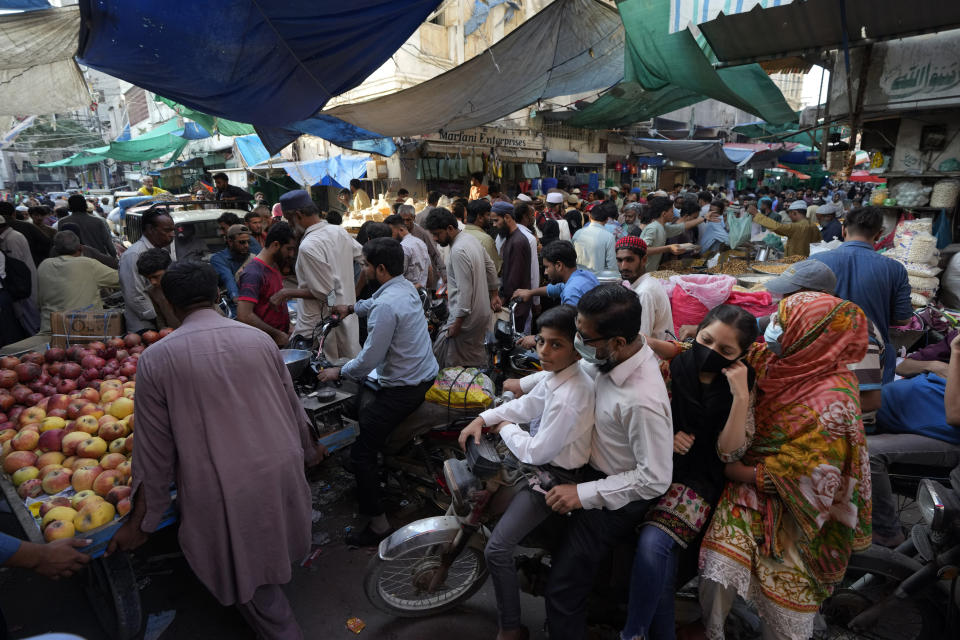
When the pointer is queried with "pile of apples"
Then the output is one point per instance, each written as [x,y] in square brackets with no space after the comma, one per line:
[66,423]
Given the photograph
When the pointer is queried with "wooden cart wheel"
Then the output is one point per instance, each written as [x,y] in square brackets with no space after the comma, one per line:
[112,590]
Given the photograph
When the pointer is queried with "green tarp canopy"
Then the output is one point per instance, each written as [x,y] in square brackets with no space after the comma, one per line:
[784,132]
[212,124]
[152,145]
[666,71]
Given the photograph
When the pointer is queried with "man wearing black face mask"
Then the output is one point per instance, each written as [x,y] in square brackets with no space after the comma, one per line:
[632,451]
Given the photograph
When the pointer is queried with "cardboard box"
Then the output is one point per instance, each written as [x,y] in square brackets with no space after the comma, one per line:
[73,327]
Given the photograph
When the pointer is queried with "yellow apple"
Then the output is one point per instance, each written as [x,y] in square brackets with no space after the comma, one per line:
[58,530]
[92,448]
[70,441]
[83,478]
[56,481]
[87,424]
[52,423]
[121,407]
[80,496]
[50,457]
[23,474]
[93,515]
[116,446]
[58,513]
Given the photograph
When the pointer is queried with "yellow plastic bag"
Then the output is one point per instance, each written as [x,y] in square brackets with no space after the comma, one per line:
[461,388]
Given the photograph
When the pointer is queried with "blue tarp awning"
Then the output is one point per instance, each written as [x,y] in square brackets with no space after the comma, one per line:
[251,150]
[270,64]
[337,171]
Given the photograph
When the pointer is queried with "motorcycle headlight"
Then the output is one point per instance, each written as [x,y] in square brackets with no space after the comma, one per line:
[931,503]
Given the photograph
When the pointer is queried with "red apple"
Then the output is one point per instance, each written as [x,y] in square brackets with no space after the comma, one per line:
[92,362]
[25,440]
[88,374]
[83,478]
[118,493]
[67,386]
[54,354]
[90,395]
[70,441]
[14,413]
[32,414]
[18,459]
[57,413]
[75,408]
[34,398]
[137,349]
[56,481]
[112,431]
[30,489]
[112,461]
[128,444]
[106,481]
[128,370]
[34,357]
[131,339]
[47,505]
[7,433]
[27,372]
[50,440]
[71,370]
[124,506]
[8,378]
[9,362]
[58,401]
[116,343]
[125,468]
[150,337]
[20,393]
[6,400]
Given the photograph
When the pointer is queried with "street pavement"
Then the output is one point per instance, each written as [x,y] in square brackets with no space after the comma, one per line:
[324,594]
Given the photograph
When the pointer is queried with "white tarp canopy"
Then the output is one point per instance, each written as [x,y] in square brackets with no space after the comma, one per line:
[570,47]
[37,72]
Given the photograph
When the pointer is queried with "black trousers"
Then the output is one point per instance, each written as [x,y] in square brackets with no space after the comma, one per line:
[589,539]
[378,417]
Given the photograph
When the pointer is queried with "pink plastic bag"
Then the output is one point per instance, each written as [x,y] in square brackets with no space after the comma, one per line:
[709,290]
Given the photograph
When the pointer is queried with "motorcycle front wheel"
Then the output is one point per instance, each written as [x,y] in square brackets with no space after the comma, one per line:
[400,586]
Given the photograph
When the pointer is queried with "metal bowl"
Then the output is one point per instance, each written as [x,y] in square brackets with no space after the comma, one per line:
[296,361]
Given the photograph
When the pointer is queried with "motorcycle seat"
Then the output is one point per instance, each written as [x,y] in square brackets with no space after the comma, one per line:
[427,417]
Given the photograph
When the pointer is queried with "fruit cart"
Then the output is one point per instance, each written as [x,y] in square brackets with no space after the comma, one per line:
[111,583]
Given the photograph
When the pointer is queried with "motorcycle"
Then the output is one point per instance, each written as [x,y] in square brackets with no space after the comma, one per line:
[505,357]
[908,593]
[434,564]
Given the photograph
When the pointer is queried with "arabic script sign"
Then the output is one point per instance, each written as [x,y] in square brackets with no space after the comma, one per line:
[918,72]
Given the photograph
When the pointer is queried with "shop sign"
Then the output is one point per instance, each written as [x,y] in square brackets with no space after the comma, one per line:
[917,72]
[491,137]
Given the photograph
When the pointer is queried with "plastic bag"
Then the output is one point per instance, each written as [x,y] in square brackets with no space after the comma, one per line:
[916,246]
[924,286]
[461,388]
[739,229]
[918,300]
[709,290]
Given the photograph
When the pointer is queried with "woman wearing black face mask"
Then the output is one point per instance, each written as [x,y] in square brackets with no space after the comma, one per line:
[711,399]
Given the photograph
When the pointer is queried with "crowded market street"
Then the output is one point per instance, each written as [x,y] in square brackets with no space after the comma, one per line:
[486,319]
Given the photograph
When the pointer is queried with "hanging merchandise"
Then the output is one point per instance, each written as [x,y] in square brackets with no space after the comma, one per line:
[593,183]
[475,163]
[462,169]
[633,169]
[445,168]
[420,173]
[941,230]
[619,167]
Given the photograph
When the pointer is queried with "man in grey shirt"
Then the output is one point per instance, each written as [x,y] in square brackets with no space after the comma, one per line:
[93,229]
[138,311]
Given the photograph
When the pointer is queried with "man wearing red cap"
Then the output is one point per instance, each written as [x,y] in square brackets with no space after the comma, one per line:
[657,318]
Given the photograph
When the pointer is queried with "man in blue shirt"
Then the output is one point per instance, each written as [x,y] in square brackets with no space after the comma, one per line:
[594,243]
[228,261]
[830,227]
[398,346]
[877,284]
[567,282]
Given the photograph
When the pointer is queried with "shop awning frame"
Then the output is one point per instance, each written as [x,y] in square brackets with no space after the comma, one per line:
[809,28]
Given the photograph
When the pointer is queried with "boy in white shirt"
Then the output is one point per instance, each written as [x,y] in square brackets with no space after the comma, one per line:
[563,399]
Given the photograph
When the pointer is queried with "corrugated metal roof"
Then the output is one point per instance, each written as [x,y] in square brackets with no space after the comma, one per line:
[815,25]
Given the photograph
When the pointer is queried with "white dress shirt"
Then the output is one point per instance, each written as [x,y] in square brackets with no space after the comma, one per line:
[656,321]
[564,402]
[633,434]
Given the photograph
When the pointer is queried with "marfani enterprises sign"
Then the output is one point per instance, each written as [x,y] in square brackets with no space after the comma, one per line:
[491,137]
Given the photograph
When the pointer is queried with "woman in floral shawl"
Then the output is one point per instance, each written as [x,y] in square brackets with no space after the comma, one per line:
[799,502]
